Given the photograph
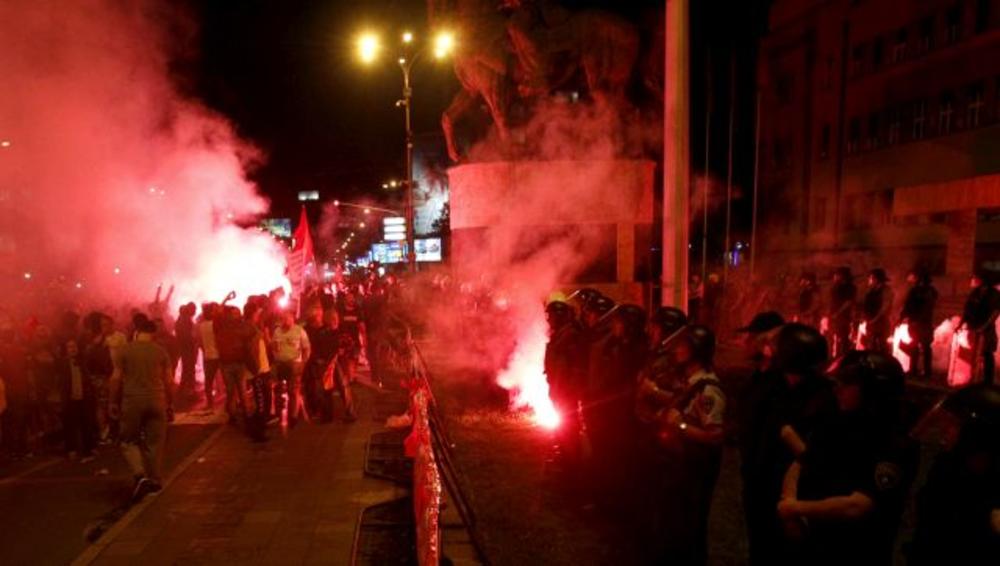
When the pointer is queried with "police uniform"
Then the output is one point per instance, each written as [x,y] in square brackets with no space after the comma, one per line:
[848,454]
[877,300]
[564,371]
[918,312]
[843,295]
[980,314]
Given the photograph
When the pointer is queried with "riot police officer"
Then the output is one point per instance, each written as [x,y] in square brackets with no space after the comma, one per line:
[691,435]
[843,498]
[659,380]
[608,399]
[918,314]
[980,317]
[751,408]
[809,303]
[564,371]
[958,509]
[843,295]
[876,310]
[789,412]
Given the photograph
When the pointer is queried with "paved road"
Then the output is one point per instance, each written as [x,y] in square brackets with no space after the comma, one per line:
[292,500]
[48,502]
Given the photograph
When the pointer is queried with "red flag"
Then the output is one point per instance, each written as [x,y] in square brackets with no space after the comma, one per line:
[303,238]
[302,253]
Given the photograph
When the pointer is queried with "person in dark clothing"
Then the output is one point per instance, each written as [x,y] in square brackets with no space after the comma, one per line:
[843,296]
[79,403]
[564,370]
[958,509]
[312,374]
[692,431]
[809,302]
[790,409]
[980,317]
[608,399]
[330,345]
[751,408]
[843,499]
[918,314]
[187,346]
[877,309]
[352,321]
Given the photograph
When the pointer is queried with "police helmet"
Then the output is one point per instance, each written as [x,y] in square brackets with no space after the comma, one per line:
[585,295]
[799,349]
[879,376]
[702,341]
[599,305]
[559,313]
[668,319]
[632,316]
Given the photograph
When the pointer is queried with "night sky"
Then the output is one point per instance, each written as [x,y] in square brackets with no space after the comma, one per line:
[286,74]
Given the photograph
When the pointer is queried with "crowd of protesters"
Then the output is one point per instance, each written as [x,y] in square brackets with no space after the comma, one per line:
[827,439]
[107,378]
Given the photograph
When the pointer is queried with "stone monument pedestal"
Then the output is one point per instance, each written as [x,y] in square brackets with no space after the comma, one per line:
[505,210]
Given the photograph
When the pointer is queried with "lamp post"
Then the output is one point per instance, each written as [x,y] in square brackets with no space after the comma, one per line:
[369,47]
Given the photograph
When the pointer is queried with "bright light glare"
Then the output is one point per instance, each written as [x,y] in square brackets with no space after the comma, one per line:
[5,143]
[444,43]
[283,301]
[368,47]
[368,211]
[407,37]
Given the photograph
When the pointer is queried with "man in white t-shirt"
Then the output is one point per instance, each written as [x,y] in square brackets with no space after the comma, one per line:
[209,353]
[290,345]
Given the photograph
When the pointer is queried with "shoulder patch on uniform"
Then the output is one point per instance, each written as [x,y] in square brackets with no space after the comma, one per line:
[887,476]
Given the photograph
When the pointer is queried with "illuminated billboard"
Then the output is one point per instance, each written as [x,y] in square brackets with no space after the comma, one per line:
[280,227]
[428,249]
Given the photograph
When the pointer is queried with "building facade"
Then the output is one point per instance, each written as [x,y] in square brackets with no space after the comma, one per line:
[880,136]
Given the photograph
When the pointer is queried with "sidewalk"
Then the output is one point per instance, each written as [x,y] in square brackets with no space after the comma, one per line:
[293,500]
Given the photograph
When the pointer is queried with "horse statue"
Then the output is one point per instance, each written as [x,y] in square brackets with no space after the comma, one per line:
[482,63]
[552,44]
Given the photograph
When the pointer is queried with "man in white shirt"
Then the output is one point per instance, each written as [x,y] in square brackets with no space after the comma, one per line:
[209,353]
[290,345]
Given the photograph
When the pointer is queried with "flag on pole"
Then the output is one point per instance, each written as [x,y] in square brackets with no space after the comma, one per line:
[302,254]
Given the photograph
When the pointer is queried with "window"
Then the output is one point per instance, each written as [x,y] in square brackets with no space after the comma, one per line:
[974,106]
[982,15]
[919,119]
[873,139]
[952,23]
[854,136]
[858,59]
[893,120]
[824,142]
[818,221]
[926,35]
[877,53]
[946,108]
[899,48]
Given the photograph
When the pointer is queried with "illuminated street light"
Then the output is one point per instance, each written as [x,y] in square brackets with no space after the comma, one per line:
[5,144]
[368,47]
[368,211]
[444,44]
[117,270]
[361,224]
[27,275]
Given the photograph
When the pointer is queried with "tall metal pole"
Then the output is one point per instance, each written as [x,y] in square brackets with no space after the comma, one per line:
[676,155]
[707,172]
[411,251]
[756,183]
[729,165]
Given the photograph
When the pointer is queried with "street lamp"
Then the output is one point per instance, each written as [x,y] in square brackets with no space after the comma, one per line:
[442,45]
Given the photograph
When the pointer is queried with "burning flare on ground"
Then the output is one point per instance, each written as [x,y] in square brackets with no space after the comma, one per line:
[524,377]
[901,340]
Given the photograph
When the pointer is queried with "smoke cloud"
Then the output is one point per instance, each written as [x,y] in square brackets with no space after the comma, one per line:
[112,180]
[566,167]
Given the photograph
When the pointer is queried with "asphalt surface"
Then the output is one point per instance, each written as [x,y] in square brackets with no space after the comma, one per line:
[48,502]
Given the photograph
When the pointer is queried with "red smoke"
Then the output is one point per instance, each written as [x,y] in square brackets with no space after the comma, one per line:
[114,180]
